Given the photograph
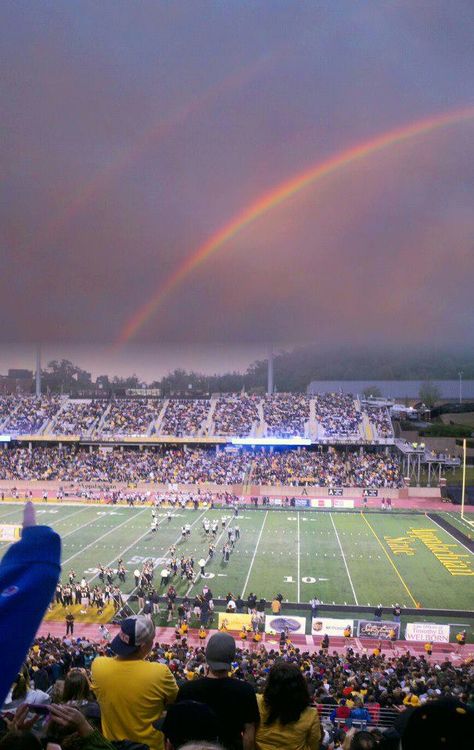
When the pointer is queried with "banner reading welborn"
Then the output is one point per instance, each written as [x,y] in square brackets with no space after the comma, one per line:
[378,629]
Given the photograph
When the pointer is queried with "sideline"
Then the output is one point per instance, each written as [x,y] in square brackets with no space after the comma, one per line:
[344,558]
[254,555]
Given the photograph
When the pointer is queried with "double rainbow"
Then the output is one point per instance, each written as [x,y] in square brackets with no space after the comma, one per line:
[277,195]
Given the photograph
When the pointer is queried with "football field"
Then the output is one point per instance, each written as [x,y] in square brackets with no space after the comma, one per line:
[342,557]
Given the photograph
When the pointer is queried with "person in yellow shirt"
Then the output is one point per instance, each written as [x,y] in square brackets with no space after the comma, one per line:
[132,693]
[243,634]
[276,606]
[202,633]
[257,637]
[347,631]
[428,648]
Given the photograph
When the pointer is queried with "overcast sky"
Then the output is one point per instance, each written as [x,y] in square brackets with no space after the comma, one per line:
[132,132]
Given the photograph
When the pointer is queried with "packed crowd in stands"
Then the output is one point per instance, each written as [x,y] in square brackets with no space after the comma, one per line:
[326,469]
[129,417]
[374,694]
[380,418]
[30,413]
[285,414]
[78,417]
[287,467]
[7,405]
[236,416]
[184,416]
[337,414]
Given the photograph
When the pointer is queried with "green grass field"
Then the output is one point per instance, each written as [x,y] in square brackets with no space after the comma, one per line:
[341,557]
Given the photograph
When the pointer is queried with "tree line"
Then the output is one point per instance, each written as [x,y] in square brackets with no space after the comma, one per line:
[294,369]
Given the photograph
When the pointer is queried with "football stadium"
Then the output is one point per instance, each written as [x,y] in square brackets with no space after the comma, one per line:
[236,375]
[295,524]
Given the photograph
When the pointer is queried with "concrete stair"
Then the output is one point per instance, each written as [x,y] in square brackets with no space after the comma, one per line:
[159,419]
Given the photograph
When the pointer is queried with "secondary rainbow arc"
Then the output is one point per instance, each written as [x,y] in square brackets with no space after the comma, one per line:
[276,196]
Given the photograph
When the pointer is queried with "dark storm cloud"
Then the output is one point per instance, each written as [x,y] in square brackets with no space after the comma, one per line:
[132,132]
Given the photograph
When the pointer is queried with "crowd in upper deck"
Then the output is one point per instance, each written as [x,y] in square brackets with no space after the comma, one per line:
[285,415]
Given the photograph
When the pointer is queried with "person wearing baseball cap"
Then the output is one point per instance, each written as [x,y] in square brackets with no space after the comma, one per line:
[132,692]
[233,701]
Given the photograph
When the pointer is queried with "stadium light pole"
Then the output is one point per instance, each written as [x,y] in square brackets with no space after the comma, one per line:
[38,371]
[460,373]
[270,384]
[463,495]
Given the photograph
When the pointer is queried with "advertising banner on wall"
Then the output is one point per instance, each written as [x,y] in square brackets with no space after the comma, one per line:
[234,621]
[277,623]
[342,502]
[378,629]
[9,532]
[301,502]
[321,502]
[330,626]
[427,631]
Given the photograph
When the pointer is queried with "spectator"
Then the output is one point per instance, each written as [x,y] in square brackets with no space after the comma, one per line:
[359,714]
[23,692]
[185,417]
[130,417]
[290,467]
[286,719]
[338,416]
[444,724]
[188,721]
[29,573]
[237,415]
[286,414]
[232,700]
[78,417]
[132,692]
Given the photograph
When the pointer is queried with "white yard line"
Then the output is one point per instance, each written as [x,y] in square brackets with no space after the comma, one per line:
[87,523]
[60,520]
[114,528]
[468,524]
[155,565]
[232,518]
[452,537]
[299,561]
[122,552]
[254,555]
[11,513]
[344,558]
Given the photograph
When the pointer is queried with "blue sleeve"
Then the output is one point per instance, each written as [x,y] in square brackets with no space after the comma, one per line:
[29,573]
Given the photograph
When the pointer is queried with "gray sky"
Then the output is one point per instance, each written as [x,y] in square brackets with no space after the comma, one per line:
[132,133]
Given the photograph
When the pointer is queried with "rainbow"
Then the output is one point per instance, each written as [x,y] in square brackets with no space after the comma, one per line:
[280,194]
[106,174]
